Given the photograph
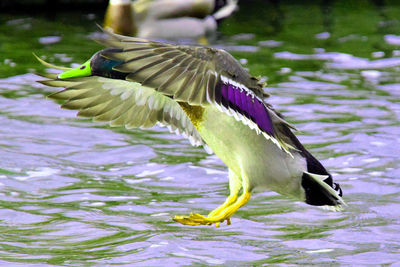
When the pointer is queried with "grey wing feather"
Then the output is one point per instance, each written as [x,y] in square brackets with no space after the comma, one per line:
[186,73]
[193,75]
[123,103]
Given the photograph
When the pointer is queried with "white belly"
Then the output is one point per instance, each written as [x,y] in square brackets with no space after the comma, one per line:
[252,156]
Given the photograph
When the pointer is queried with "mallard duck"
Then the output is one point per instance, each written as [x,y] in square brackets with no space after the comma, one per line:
[166,19]
[206,95]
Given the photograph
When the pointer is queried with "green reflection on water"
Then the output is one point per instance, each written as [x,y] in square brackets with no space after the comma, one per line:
[20,37]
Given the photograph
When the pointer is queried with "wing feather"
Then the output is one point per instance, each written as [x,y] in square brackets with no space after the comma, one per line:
[124,103]
[197,76]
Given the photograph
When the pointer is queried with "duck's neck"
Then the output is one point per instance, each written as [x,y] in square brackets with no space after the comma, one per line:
[103,67]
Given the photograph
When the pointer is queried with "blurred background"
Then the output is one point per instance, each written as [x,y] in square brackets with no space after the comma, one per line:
[78,193]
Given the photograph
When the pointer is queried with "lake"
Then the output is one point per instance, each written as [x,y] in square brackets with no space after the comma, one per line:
[78,193]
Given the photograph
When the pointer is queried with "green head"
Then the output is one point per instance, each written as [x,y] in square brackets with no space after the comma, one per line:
[97,65]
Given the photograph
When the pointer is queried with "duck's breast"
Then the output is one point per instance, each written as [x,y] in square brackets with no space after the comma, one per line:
[250,154]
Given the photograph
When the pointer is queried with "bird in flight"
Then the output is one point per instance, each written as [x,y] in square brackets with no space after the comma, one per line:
[205,95]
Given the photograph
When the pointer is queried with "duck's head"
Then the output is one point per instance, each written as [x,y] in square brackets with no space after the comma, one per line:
[97,65]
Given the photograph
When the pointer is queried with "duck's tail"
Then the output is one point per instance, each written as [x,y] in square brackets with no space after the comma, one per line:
[319,193]
[226,10]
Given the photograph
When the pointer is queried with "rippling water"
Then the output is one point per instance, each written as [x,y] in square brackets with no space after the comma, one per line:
[74,192]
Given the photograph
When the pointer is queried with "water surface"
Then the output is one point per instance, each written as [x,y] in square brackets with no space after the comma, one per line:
[74,192]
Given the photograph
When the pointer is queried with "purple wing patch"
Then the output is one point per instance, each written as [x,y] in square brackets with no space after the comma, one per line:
[237,99]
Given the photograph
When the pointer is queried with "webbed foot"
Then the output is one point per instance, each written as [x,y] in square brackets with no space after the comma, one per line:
[220,214]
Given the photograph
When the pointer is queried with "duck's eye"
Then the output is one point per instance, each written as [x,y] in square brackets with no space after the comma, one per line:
[82,67]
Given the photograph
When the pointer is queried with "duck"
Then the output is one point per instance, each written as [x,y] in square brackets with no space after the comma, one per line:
[205,95]
[167,19]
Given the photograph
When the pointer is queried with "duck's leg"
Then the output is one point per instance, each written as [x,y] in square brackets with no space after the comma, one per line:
[225,211]
[235,184]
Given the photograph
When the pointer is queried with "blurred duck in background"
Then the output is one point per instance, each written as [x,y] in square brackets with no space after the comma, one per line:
[167,19]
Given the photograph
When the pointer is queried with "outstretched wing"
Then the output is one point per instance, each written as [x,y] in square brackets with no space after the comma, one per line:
[198,76]
[123,103]
[187,73]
